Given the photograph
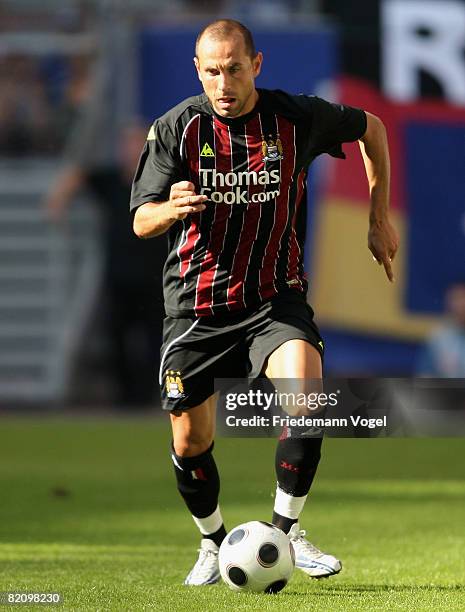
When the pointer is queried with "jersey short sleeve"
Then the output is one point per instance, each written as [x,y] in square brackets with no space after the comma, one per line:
[333,124]
[159,167]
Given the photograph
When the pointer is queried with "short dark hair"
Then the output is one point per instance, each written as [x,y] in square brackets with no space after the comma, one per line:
[222,28]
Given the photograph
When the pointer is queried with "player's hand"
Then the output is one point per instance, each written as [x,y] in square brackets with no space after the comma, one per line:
[383,242]
[184,201]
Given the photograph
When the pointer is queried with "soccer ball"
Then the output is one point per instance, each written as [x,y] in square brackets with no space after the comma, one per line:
[256,556]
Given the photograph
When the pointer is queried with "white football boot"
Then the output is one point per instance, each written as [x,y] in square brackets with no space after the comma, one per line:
[206,569]
[311,559]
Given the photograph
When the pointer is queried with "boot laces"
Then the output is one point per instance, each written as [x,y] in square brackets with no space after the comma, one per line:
[207,559]
[302,545]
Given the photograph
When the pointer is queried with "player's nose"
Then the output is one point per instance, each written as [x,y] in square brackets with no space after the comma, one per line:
[224,83]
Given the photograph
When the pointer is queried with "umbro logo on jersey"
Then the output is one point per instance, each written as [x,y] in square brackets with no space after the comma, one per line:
[207,151]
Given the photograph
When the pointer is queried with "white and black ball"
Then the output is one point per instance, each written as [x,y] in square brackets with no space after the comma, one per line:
[256,556]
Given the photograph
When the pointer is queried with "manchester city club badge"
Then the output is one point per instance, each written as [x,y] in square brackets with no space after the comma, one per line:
[272,150]
[174,385]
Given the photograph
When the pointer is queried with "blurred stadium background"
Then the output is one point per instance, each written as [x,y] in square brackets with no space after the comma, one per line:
[75,74]
[89,506]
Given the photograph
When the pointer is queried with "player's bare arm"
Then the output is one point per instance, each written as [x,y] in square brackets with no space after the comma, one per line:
[383,241]
[155,218]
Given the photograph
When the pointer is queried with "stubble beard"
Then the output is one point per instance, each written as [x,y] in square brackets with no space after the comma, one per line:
[238,112]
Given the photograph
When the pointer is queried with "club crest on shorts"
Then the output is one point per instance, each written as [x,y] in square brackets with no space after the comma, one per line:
[173,384]
[272,150]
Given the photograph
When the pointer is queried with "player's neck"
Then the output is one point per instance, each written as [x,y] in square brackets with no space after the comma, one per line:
[251,104]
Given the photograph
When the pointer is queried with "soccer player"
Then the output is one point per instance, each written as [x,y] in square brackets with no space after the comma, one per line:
[225,174]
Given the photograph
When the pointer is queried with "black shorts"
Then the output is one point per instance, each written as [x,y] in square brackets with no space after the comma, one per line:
[195,351]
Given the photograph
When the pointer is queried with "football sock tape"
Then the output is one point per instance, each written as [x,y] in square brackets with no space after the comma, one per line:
[283,522]
[287,505]
[217,536]
[209,524]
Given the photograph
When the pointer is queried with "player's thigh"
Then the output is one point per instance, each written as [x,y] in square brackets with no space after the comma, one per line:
[194,429]
[285,341]
[294,358]
[287,348]
[295,369]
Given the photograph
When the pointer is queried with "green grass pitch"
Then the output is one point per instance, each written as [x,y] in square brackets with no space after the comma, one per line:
[89,508]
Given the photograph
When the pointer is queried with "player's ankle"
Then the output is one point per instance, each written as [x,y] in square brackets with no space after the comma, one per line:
[217,537]
[283,522]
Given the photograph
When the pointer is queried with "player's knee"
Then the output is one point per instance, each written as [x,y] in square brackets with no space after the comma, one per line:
[191,445]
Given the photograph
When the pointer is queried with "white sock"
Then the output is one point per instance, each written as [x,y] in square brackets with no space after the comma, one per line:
[209,524]
[288,505]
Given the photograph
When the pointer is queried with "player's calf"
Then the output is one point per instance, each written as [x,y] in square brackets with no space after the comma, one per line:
[199,485]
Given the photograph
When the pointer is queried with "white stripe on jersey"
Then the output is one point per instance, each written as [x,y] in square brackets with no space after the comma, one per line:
[182,242]
[243,225]
[212,225]
[274,220]
[258,228]
[200,214]
[225,234]
[293,234]
[287,219]
[184,134]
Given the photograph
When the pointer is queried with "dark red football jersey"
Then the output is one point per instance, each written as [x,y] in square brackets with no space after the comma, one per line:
[247,245]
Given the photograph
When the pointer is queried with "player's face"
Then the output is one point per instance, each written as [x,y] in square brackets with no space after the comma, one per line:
[228,75]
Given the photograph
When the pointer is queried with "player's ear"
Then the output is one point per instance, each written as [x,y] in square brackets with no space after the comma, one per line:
[197,66]
[257,64]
